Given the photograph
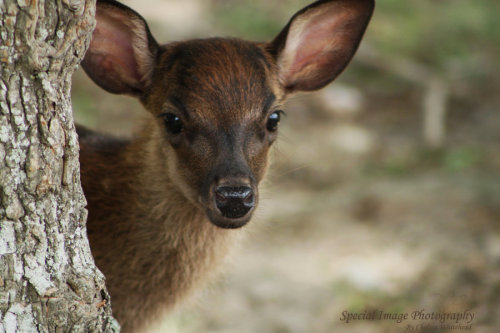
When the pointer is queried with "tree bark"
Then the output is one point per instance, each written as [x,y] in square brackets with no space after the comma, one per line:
[48,279]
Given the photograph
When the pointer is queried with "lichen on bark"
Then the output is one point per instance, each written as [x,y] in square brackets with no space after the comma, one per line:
[48,279]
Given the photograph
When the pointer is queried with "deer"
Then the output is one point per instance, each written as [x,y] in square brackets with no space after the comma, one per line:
[166,205]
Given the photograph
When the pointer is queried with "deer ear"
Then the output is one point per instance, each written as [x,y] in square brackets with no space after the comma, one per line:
[122,52]
[319,41]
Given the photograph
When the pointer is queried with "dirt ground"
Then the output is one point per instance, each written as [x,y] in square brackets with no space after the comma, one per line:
[356,215]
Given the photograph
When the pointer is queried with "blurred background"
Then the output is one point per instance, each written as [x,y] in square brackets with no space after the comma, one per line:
[384,192]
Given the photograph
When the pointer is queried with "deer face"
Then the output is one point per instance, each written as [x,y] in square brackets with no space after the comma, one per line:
[218,108]
[217,101]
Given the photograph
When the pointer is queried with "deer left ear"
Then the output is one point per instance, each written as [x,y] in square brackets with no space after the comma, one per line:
[319,41]
[122,53]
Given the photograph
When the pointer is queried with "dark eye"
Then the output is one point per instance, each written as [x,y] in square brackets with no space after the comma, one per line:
[172,123]
[273,120]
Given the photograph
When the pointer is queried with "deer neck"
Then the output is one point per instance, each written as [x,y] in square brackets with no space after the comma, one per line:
[172,224]
[152,244]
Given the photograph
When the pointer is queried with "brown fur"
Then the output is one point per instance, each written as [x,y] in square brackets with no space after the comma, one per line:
[151,243]
[154,227]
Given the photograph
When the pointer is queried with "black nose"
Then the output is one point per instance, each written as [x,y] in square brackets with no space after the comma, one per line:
[234,202]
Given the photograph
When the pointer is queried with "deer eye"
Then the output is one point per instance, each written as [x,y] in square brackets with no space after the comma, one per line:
[273,120]
[173,123]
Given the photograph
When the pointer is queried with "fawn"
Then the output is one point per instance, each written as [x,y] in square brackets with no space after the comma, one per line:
[162,205]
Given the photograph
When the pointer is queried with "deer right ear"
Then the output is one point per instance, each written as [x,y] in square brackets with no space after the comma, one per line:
[319,41]
[122,52]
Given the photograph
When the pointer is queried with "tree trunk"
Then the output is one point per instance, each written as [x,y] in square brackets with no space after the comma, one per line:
[48,280]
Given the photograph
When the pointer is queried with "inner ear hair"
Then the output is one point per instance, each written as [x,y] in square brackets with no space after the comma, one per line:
[122,52]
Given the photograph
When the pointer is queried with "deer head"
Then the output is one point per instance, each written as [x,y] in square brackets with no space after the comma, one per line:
[216,103]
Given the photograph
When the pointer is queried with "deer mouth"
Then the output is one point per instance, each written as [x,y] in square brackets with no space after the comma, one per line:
[227,223]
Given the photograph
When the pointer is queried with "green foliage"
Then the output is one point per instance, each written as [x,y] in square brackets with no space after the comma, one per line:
[84,104]
[248,20]
[358,301]
[409,163]
[437,32]
[461,158]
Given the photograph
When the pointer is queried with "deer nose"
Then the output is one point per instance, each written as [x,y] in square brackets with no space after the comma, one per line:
[234,202]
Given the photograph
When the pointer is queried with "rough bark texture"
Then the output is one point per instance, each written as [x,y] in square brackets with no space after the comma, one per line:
[48,280]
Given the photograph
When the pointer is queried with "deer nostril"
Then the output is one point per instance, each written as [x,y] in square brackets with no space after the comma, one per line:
[234,202]
[249,199]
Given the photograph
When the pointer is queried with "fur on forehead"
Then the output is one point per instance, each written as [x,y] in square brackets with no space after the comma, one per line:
[220,76]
